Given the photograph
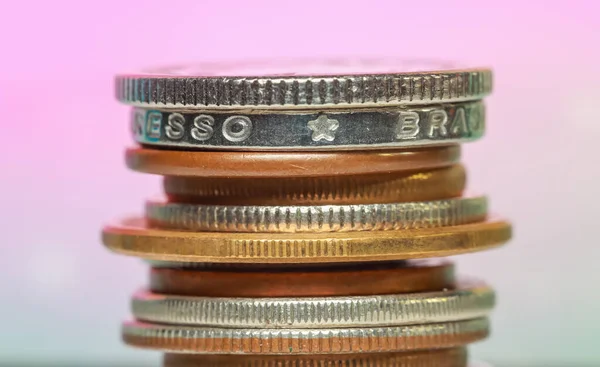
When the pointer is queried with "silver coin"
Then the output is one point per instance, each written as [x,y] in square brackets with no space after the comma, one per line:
[324,218]
[200,340]
[325,130]
[304,84]
[470,300]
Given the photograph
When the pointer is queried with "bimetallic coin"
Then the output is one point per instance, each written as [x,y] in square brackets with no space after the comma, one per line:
[395,187]
[325,218]
[470,300]
[303,84]
[325,130]
[133,237]
[280,280]
[448,357]
[186,339]
[287,164]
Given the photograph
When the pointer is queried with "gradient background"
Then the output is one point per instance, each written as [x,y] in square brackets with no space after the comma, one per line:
[63,294]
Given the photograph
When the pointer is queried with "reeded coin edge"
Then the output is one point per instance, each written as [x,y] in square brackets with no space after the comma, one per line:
[329,268]
[471,299]
[447,357]
[132,237]
[303,92]
[304,341]
[326,218]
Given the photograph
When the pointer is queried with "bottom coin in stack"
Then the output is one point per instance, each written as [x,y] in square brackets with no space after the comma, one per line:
[450,357]
[304,341]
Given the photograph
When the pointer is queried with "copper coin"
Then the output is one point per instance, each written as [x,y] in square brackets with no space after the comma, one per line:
[287,164]
[395,187]
[356,280]
[133,236]
[450,357]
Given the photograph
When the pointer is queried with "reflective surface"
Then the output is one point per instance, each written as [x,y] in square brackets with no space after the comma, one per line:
[63,174]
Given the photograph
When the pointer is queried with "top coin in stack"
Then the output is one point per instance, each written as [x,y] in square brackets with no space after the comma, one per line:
[238,107]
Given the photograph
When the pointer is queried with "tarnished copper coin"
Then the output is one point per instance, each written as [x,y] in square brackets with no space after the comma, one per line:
[287,164]
[430,184]
[449,357]
[356,280]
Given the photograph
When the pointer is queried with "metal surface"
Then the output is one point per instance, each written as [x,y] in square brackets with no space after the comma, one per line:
[327,218]
[449,357]
[325,130]
[273,280]
[470,300]
[296,199]
[396,187]
[329,83]
[288,164]
[303,341]
[133,237]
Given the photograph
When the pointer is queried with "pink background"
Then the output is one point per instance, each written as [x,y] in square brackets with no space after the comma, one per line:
[63,137]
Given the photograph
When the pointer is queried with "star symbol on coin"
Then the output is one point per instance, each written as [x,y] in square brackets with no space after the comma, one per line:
[323,128]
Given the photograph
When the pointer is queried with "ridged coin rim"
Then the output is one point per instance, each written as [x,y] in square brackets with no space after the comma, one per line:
[470,299]
[132,236]
[322,218]
[303,91]
[175,338]
[448,357]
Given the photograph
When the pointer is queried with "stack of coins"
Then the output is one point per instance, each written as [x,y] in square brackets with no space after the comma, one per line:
[299,211]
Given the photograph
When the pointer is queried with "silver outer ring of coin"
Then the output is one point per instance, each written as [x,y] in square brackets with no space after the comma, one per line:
[322,218]
[302,91]
[469,301]
[271,341]
[361,129]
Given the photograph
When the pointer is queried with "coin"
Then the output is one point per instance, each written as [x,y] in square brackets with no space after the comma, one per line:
[433,184]
[330,83]
[133,237]
[175,338]
[323,218]
[323,280]
[287,164]
[471,299]
[428,125]
[448,357]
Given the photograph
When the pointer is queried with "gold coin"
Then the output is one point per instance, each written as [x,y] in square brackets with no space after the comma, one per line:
[287,164]
[448,357]
[132,236]
[208,340]
[433,184]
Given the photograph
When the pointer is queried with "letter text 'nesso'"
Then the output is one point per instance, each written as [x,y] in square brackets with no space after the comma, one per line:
[388,127]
